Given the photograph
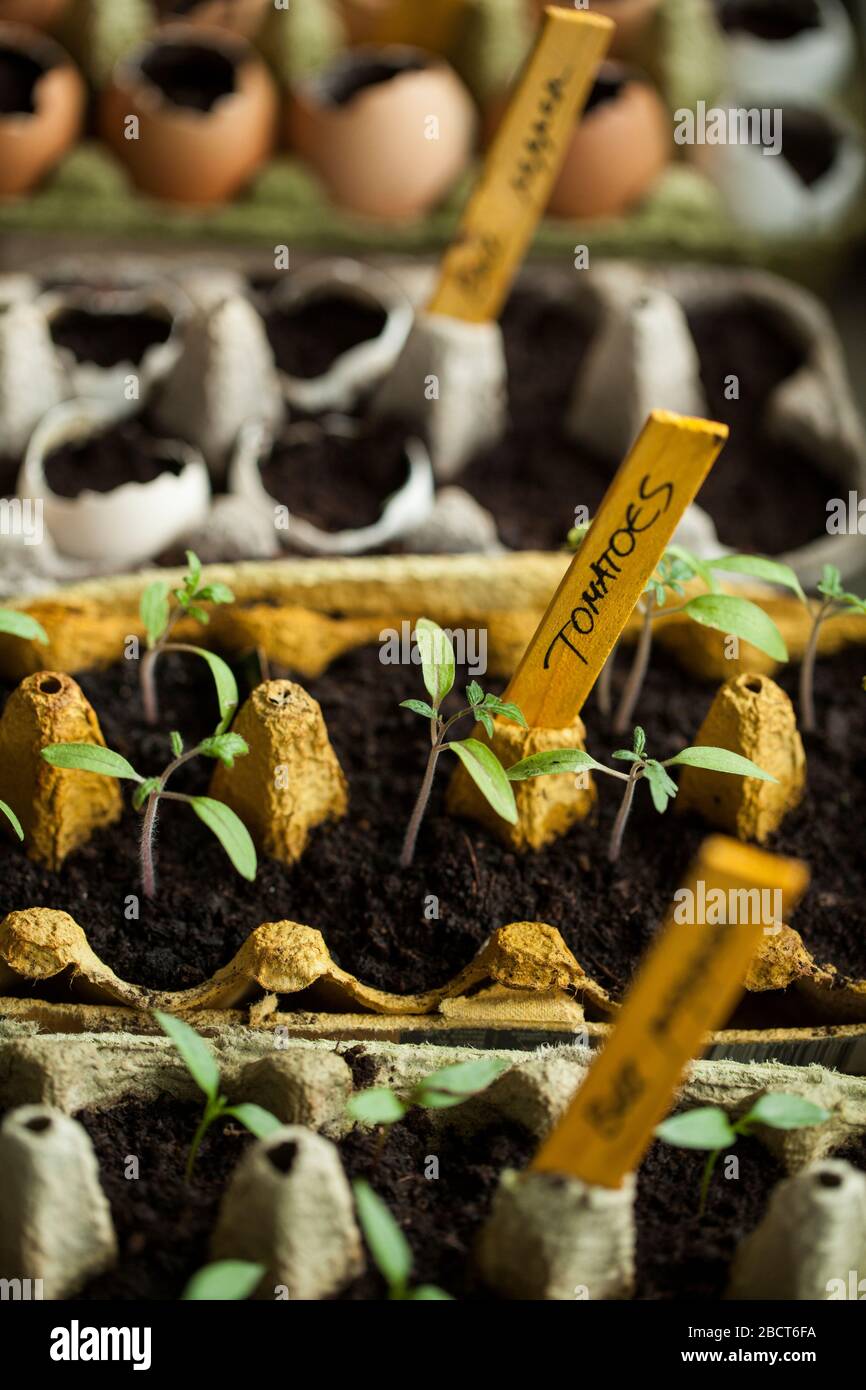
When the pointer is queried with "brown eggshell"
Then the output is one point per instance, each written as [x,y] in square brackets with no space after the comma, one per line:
[39,14]
[371,152]
[632,18]
[182,154]
[616,154]
[234,16]
[31,143]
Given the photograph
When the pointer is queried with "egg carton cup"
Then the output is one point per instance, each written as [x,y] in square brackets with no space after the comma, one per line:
[46,1079]
[524,977]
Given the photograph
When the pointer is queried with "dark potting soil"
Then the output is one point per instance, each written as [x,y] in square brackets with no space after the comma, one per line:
[106,339]
[376,919]
[309,339]
[163,1222]
[809,143]
[19,74]
[188,74]
[768,19]
[124,453]
[337,482]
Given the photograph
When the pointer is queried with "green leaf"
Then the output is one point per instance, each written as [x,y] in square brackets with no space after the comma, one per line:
[193,572]
[505,710]
[474,693]
[199,614]
[693,565]
[377,1106]
[19,624]
[738,617]
[485,719]
[662,788]
[231,833]
[216,593]
[12,819]
[437,659]
[419,707]
[428,1293]
[90,757]
[708,1127]
[831,582]
[226,686]
[773,571]
[142,792]
[639,741]
[780,1110]
[225,747]
[387,1243]
[255,1118]
[549,764]
[197,1056]
[153,611]
[489,776]
[625,755]
[176,743]
[223,1281]
[453,1085]
[719,760]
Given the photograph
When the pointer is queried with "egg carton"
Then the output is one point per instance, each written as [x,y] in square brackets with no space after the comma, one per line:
[524,983]
[214,383]
[55,1224]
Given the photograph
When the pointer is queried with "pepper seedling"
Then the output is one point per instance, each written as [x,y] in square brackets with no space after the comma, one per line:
[834,599]
[449,1086]
[727,613]
[204,1070]
[708,1127]
[662,787]
[18,624]
[228,828]
[390,1249]
[159,620]
[222,1281]
[438,671]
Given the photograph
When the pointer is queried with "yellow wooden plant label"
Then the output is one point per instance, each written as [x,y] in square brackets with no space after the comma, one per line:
[687,986]
[629,534]
[521,167]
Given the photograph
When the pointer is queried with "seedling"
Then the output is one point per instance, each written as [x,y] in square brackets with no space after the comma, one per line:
[390,1249]
[834,599]
[442,1089]
[708,1127]
[736,617]
[19,625]
[223,1281]
[160,619]
[662,787]
[202,1067]
[482,764]
[150,791]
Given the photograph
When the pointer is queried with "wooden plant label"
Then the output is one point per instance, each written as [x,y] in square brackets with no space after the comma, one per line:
[514,188]
[687,986]
[640,512]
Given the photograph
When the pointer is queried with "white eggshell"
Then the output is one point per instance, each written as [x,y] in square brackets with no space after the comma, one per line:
[808,66]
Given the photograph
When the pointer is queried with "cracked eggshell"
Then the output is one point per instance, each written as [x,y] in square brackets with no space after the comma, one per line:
[404,510]
[812,63]
[362,126]
[32,142]
[88,380]
[357,371]
[766,195]
[243,17]
[183,154]
[133,522]
[618,150]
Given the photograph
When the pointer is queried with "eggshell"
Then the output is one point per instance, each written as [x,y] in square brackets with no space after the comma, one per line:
[182,154]
[632,18]
[39,14]
[31,143]
[358,370]
[372,151]
[617,152]
[807,66]
[235,16]
[129,525]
